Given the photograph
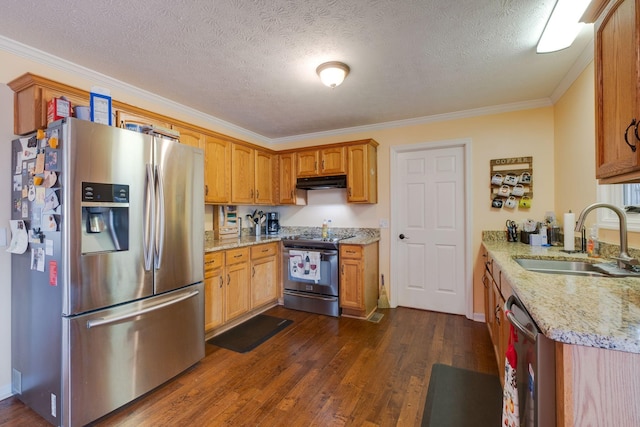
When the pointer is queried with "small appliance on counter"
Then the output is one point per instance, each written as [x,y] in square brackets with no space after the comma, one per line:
[273,223]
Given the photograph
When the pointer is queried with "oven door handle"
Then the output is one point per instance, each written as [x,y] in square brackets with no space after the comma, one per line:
[305,295]
[329,253]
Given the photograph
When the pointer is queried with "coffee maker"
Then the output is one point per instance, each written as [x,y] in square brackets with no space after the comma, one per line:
[273,224]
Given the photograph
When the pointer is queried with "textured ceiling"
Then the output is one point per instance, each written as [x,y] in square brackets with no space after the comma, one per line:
[252,63]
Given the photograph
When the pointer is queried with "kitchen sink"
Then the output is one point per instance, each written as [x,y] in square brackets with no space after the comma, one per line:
[554,266]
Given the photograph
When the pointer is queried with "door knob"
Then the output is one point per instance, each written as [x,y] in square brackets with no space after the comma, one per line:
[402,237]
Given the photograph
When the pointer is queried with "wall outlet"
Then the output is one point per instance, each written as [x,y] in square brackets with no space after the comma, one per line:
[384,223]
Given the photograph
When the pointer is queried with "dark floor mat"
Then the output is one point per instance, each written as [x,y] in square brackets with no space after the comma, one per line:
[460,398]
[250,334]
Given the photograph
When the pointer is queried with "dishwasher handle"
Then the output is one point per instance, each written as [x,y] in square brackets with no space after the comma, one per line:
[514,321]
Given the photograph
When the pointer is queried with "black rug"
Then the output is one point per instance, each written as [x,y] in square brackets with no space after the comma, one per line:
[250,334]
[460,398]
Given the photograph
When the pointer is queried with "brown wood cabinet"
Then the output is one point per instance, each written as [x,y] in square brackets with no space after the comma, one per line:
[496,291]
[617,65]
[287,179]
[251,175]
[236,171]
[358,279]
[31,94]
[321,162]
[217,170]
[264,274]
[238,283]
[362,176]
[191,137]
[124,117]
[214,290]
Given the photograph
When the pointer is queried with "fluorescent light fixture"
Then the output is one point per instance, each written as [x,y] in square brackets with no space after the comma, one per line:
[332,73]
[563,25]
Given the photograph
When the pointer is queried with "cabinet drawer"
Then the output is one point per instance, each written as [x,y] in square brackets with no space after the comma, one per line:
[261,251]
[351,251]
[213,261]
[235,256]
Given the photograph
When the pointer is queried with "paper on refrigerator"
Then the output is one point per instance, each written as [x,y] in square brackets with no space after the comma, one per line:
[19,237]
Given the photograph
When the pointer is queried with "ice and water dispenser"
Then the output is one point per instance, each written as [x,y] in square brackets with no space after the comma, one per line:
[105,217]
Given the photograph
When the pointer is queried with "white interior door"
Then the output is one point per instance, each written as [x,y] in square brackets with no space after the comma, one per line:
[431,229]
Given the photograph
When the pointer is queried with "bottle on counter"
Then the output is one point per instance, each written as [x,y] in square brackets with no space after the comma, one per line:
[593,247]
[325,229]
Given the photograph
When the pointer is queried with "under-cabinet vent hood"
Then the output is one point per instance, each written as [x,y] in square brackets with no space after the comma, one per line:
[322,182]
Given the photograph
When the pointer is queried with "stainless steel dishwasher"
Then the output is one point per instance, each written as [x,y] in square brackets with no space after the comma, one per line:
[535,370]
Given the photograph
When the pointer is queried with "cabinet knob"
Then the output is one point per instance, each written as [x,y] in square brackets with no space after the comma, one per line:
[634,125]
[403,237]
[221,281]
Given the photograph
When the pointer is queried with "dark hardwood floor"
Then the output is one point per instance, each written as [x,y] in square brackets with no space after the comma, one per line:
[319,371]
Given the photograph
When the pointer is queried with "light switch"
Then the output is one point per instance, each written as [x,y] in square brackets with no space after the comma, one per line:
[3,236]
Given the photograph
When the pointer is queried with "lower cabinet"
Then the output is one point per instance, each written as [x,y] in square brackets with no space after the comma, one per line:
[237,270]
[264,274]
[496,293]
[358,279]
[214,289]
[237,281]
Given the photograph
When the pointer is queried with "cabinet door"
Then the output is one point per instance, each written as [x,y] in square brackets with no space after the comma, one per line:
[264,276]
[190,137]
[123,117]
[287,188]
[351,281]
[242,174]
[237,295]
[264,178]
[214,291]
[307,162]
[617,85]
[217,172]
[362,180]
[332,161]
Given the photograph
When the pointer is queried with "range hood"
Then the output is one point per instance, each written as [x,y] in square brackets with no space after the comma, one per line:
[322,182]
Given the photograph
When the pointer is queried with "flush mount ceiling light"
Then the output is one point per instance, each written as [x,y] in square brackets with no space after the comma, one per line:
[563,25]
[332,73]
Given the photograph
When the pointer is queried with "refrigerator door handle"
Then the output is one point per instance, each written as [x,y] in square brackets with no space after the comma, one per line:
[114,319]
[148,219]
[159,218]
[512,318]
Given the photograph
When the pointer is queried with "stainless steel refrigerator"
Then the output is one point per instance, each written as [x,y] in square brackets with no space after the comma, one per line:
[107,298]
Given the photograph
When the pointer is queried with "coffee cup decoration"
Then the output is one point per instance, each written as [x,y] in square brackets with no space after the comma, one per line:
[511,182]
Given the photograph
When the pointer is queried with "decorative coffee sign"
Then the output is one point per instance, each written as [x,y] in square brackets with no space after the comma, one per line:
[511,182]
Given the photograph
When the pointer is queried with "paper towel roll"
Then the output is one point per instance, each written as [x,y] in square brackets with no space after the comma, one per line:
[569,227]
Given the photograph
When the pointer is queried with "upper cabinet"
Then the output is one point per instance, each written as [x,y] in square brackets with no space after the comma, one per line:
[617,64]
[323,161]
[31,94]
[251,175]
[236,172]
[362,173]
[217,170]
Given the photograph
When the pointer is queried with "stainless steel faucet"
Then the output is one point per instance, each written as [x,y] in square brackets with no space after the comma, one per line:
[624,260]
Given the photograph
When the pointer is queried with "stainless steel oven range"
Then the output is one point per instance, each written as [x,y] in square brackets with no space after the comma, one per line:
[310,272]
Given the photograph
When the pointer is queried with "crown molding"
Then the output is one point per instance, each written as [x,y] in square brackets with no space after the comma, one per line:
[585,58]
[100,79]
[44,58]
[484,111]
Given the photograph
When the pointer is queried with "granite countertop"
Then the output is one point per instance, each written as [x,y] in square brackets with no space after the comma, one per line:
[362,236]
[592,311]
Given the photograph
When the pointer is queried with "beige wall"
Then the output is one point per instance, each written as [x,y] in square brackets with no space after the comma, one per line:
[575,149]
[514,134]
